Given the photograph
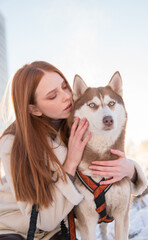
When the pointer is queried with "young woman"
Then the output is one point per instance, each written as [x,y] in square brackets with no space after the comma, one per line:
[40,155]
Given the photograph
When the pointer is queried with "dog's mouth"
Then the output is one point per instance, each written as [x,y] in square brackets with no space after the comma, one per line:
[103,128]
[108,128]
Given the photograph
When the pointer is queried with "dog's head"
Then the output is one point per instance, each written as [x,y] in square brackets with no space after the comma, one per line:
[103,106]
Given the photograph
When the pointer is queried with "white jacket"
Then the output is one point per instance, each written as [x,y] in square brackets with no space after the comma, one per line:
[15,216]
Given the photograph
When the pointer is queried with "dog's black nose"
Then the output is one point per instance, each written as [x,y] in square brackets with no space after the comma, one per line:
[108,121]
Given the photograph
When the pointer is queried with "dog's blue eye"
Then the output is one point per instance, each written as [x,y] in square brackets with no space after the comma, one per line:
[92,105]
[112,103]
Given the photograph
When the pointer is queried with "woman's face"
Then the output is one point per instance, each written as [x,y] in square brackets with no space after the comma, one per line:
[53,97]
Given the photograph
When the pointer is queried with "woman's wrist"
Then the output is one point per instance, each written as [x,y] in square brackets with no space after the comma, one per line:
[72,178]
[71,170]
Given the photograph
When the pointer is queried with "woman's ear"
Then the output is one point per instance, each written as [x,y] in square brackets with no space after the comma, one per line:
[34,110]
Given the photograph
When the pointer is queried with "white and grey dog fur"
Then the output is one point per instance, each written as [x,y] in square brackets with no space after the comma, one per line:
[105,111]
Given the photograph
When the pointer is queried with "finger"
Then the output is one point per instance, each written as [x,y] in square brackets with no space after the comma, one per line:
[110,181]
[80,132]
[81,124]
[118,153]
[86,139]
[104,174]
[103,169]
[83,130]
[74,127]
[110,163]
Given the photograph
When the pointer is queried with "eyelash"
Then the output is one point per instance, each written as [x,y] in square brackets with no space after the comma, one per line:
[66,86]
[51,98]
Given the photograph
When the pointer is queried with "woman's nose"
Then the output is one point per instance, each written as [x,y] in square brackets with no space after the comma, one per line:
[67,95]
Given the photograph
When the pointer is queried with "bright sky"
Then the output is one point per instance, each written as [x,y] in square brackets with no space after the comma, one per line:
[92,38]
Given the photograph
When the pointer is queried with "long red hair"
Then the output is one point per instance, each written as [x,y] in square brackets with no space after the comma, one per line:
[31,153]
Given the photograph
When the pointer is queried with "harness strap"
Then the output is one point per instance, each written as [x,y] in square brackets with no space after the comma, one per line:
[71,225]
[33,221]
[99,195]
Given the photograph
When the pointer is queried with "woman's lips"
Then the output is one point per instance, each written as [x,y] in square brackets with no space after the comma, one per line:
[68,108]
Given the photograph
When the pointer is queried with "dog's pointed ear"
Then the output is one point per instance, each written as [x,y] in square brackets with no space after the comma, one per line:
[116,83]
[79,87]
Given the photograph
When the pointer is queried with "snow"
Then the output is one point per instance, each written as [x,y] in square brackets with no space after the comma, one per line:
[139,219]
[138,229]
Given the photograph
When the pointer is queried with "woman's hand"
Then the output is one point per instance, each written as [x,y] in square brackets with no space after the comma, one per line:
[76,145]
[114,169]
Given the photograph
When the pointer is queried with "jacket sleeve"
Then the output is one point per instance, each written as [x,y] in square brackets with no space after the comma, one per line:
[65,195]
[140,183]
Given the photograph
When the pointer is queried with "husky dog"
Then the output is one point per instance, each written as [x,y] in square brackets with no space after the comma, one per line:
[105,111]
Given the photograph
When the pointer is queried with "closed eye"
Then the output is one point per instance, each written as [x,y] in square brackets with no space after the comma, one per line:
[55,92]
[51,98]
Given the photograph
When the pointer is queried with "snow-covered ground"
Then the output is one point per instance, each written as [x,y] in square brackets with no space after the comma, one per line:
[138,229]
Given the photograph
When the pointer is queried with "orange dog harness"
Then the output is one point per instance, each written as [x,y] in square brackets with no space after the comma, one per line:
[99,195]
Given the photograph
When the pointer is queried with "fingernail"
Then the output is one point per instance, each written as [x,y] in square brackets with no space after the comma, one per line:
[112,150]
[84,119]
[77,118]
